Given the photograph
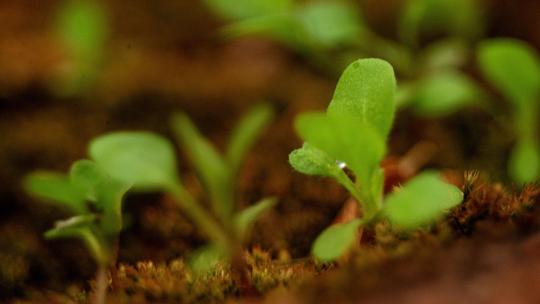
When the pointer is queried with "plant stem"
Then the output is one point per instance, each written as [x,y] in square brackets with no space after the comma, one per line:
[101,285]
[199,215]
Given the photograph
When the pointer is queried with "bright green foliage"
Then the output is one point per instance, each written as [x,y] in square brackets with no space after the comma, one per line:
[93,196]
[461,18]
[353,132]
[83,29]
[444,93]
[335,240]
[366,91]
[242,9]
[420,200]
[144,159]
[514,68]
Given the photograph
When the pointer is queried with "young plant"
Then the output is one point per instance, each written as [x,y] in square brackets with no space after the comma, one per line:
[352,133]
[514,68]
[95,200]
[148,162]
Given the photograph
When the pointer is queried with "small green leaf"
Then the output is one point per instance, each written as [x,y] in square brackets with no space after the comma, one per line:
[366,91]
[245,218]
[211,167]
[335,240]
[524,163]
[242,9]
[312,161]
[345,139]
[69,227]
[444,93]
[205,258]
[331,24]
[421,200]
[513,67]
[56,188]
[143,159]
[246,133]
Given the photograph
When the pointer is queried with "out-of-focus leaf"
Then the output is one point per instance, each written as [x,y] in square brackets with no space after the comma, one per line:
[246,133]
[513,67]
[524,163]
[56,188]
[444,93]
[214,172]
[421,200]
[143,159]
[245,218]
[366,91]
[335,240]
[205,258]
[242,9]
[444,55]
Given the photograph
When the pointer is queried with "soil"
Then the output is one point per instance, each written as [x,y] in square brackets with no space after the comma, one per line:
[486,251]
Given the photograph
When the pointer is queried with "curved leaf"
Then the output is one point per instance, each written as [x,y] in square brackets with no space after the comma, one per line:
[335,240]
[57,188]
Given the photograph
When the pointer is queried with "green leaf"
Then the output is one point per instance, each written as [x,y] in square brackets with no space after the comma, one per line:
[444,93]
[242,9]
[344,138]
[420,201]
[205,258]
[331,24]
[335,240]
[104,191]
[444,55]
[56,188]
[524,163]
[143,159]
[211,167]
[366,91]
[281,27]
[462,18]
[245,218]
[246,133]
[513,67]
[312,161]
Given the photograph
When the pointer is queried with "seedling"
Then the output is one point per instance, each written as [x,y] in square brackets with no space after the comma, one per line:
[148,162]
[353,133]
[95,199]
[514,68]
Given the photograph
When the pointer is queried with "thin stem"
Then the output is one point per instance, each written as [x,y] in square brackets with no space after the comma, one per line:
[199,215]
[100,294]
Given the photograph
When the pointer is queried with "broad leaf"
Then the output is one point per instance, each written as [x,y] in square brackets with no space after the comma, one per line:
[241,9]
[524,163]
[211,167]
[335,240]
[366,91]
[331,24]
[57,188]
[143,159]
[345,139]
[444,93]
[513,67]
[421,200]
[246,133]
[245,218]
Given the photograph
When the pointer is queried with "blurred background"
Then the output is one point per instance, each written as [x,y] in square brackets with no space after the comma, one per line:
[71,70]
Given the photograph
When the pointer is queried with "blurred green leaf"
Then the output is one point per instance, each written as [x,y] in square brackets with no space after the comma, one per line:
[444,55]
[205,258]
[331,23]
[344,138]
[421,200]
[143,159]
[335,240]
[461,18]
[524,163]
[245,218]
[443,93]
[56,188]
[366,91]
[242,9]
[211,167]
[513,67]
[246,133]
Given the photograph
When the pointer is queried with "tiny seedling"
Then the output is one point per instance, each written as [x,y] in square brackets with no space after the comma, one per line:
[148,161]
[513,67]
[353,133]
[95,200]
